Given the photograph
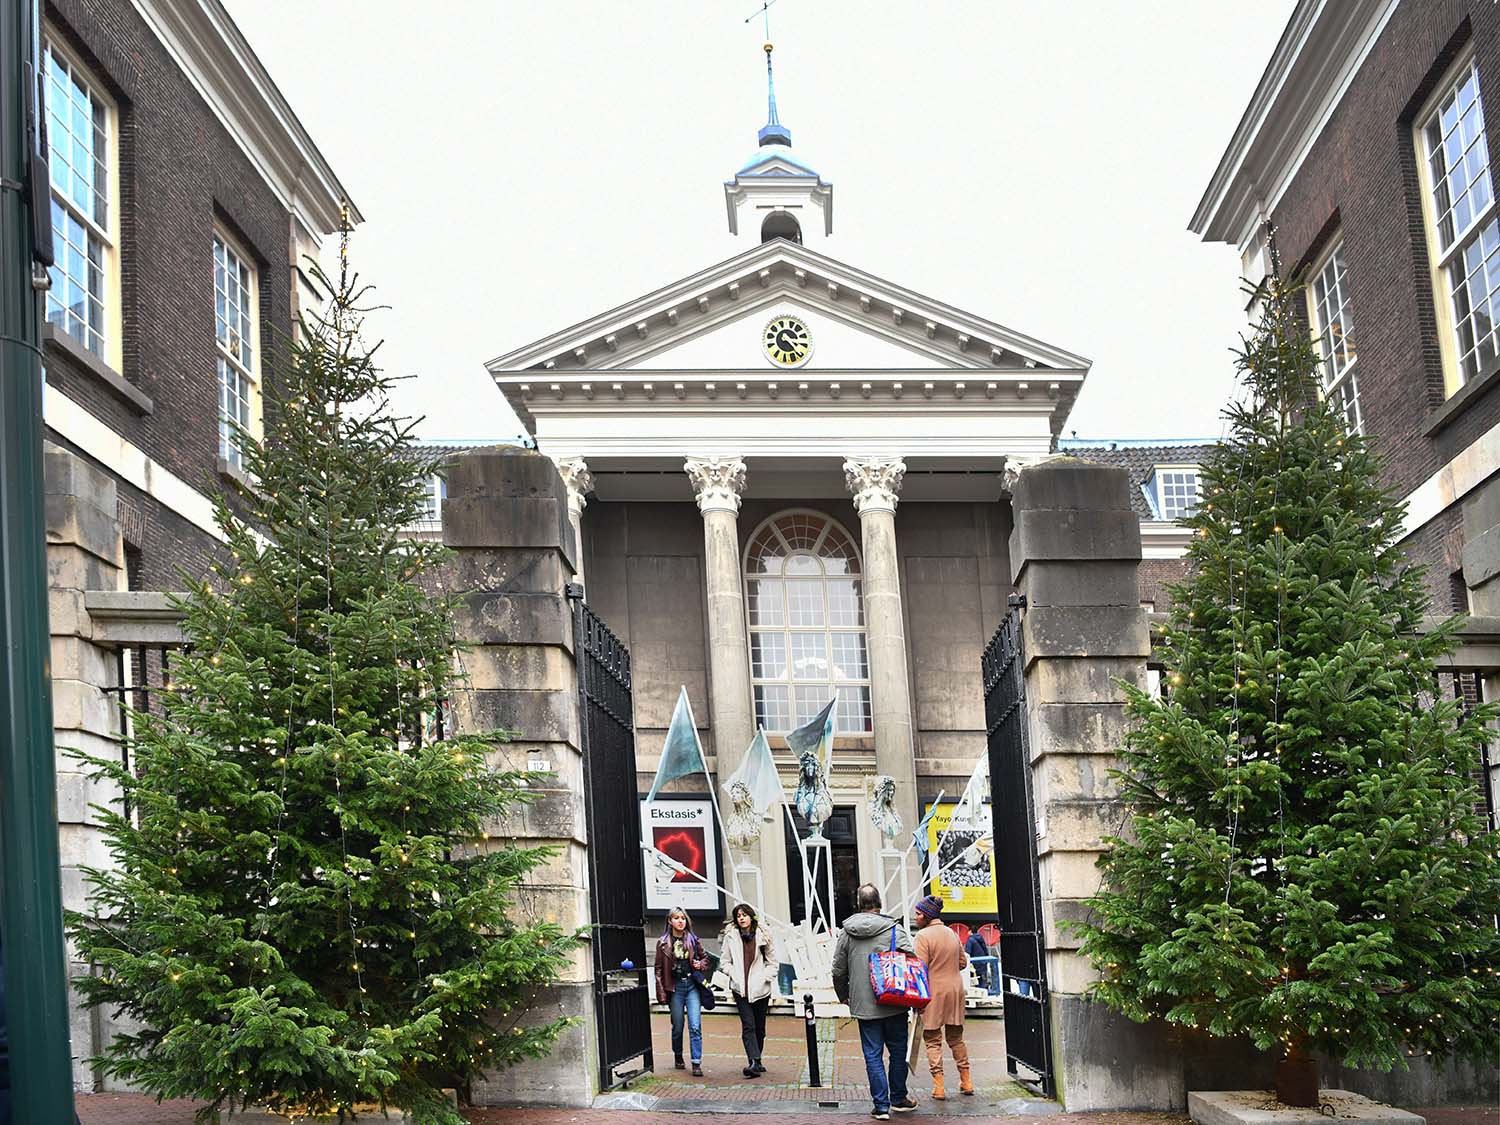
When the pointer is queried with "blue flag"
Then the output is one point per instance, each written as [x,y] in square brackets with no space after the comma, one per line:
[919,839]
[816,736]
[681,753]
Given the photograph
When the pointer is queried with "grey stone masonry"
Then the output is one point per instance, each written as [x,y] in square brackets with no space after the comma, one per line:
[1074,554]
[506,517]
[84,553]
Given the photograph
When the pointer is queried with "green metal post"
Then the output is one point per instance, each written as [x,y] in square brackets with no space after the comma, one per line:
[36,987]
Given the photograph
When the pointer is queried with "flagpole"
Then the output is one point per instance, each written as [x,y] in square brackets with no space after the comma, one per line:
[713,785]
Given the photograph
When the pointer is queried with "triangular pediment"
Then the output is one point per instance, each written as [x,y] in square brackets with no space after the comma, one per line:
[715,318]
[774,164]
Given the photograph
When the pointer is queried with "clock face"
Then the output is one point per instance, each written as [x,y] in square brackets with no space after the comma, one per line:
[786,341]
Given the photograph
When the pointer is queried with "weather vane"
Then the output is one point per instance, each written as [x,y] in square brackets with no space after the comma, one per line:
[764,11]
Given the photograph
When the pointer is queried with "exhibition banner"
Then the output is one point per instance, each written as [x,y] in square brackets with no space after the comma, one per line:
[964,859]
[683,830]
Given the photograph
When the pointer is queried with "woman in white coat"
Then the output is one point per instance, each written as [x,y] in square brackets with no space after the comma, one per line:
[748,959]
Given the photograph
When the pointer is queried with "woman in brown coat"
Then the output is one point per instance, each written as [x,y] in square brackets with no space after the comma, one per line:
[942,952]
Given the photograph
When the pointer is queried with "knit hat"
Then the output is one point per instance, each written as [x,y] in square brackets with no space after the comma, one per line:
[930,907]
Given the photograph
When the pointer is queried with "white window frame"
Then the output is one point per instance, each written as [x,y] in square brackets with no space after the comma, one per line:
[1156,493]
[860,687]
[1332,274]
[1445,261]
[223,354]
[111,349]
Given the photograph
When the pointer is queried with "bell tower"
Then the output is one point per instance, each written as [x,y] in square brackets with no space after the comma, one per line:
[775,194]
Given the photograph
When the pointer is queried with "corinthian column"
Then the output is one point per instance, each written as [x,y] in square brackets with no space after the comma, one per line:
[875,483]
[580,482]
[717,484]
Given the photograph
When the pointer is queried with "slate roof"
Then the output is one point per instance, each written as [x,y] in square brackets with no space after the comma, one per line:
[1136,458]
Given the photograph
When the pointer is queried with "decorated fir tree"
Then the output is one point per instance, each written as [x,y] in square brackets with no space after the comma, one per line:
[305,910]
[1304,864]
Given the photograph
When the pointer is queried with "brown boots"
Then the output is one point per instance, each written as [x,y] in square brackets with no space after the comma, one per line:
[938,1093]
[965,1083]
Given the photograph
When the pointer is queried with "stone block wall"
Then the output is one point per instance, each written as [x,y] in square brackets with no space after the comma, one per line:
[506,517]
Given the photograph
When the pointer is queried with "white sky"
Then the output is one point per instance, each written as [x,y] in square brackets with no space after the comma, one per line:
[524,166]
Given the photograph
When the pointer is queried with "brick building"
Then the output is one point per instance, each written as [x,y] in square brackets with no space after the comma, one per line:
[1367,149]
[185,196]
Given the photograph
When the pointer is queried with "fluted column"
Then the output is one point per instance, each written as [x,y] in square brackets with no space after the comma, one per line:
[875,483]
[580,482]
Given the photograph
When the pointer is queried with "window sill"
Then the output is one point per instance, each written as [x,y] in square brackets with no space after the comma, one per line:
[245,481]
[1463,398]
[133,396]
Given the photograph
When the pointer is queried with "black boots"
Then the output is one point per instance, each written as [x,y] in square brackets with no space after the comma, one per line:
[697,1071]
[754,1070]
[677,1062]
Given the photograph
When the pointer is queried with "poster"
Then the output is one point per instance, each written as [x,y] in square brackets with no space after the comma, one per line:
[965,861]
[683,830]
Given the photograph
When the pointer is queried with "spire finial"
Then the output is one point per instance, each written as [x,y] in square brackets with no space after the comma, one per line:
[774,132]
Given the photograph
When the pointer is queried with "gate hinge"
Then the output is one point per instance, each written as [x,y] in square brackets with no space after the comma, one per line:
[1016,601]
[574,590]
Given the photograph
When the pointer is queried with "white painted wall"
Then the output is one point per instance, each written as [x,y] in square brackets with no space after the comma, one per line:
[736,344]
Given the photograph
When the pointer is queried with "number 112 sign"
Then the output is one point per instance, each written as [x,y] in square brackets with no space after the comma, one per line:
[683,830]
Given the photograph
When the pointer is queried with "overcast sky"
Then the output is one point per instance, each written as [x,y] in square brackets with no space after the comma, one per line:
[524,166]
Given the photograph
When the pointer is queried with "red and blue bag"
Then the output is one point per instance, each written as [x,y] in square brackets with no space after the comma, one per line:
[898,978]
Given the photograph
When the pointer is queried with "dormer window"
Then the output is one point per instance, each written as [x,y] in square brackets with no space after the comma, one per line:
[1173,491]
[780,224]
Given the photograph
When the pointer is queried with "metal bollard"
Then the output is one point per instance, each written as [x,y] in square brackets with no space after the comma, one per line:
[813,1078]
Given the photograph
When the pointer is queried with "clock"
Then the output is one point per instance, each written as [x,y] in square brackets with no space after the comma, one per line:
[786,341]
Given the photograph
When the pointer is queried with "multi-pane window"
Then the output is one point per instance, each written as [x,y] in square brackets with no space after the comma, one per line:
[807,624]
[432,501]
[234,332]
[1176,492]
[1333,327]
[1460,206]
[78,123]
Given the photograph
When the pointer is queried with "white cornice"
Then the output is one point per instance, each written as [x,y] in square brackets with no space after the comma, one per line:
[218,61]
[680,307]
[1320,52]
[1161,539]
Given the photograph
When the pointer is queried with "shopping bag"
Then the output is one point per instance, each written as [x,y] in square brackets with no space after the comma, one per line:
[898,978]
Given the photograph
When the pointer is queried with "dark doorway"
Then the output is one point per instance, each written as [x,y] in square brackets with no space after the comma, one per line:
[839,828]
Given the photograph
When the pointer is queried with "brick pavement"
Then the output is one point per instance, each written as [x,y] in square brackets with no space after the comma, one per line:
[127,1109]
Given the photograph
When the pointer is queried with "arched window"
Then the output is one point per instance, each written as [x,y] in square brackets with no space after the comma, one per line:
[807,623]
[780,224]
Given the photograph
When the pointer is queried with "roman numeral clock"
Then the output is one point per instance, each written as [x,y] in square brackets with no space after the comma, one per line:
[787,342]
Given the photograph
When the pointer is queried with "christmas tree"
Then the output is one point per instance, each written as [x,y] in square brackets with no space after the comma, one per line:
[1304,863]
[306,911]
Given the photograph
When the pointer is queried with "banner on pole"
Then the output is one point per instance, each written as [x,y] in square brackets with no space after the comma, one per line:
[684,830]
[964,855]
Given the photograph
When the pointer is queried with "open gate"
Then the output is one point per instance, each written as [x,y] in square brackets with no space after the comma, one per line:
[1023,964]
[622,998]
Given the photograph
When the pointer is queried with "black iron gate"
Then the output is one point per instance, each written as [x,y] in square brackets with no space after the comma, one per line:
[1023,964]
[622,999]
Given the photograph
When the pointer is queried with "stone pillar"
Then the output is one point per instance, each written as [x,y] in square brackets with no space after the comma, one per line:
[84,552]
[717,484]
[875,483]
[1481,570]
[579,483]
[507,519]
[1075,553]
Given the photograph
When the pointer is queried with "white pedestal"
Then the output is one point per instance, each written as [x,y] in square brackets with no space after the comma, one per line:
[817,870]
[894,877]
[748,885]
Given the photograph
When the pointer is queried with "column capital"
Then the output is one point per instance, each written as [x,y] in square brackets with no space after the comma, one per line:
[579,481]
[717,482]
[875,482]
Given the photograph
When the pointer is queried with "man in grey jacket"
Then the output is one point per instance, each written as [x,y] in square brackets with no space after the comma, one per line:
[882,1027]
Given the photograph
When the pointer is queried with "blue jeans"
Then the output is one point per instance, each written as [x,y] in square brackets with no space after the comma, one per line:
[876,1036]
[685,1001]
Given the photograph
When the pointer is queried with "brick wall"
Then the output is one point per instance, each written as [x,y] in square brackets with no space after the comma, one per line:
[180,172]
[1361,179]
